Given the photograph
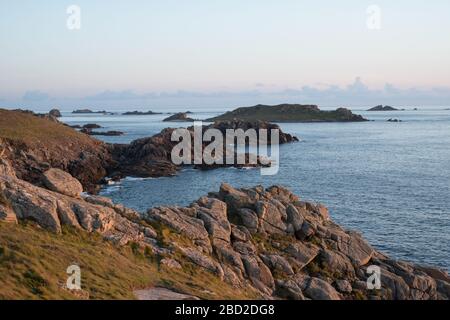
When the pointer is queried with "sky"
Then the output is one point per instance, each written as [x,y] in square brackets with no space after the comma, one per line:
[149,53]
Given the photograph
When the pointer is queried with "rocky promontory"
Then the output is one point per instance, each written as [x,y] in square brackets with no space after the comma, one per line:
[289,113]
[264,243]
[34,144]
[151,157]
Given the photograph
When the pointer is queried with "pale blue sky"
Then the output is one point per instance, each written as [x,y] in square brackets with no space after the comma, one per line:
[138,49]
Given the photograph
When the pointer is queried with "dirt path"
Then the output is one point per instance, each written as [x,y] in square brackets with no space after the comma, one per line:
[161,294]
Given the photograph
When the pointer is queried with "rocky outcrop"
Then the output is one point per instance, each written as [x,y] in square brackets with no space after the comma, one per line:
[179,117]
[262,239]
[34,144]
[283,247]
[151,157]
[257,125]
[265,240]
[55,113]
[52,210]
[62,182]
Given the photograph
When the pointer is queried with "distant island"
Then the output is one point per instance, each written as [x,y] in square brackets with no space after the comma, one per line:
[179,117]
[85,111]
[140,113]
[289,113]
[383,108]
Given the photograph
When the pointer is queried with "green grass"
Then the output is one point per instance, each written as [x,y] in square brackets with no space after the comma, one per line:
[33,264]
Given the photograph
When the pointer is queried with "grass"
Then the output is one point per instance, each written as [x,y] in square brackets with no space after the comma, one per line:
[33,264]
[17,125]
[21,127]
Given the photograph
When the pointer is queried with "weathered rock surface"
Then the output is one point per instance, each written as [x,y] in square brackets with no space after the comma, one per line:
[55,113]
[248,238]
[52,210]
[62,182]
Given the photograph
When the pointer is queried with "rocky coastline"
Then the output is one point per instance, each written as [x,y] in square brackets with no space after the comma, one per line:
[264,243]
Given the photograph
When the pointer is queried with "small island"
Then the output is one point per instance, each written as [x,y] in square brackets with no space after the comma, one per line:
[394,120]
[89,111]
[140,113]
[289,113]
[383,108]
[112,133]
[179,117]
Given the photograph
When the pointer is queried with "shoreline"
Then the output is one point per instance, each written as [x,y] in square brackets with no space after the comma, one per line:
[240,236]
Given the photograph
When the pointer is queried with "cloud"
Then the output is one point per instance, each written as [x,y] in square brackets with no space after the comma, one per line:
[355,94]
[35,95]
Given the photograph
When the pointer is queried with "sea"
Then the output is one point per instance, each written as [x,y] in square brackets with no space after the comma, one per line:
[388,180]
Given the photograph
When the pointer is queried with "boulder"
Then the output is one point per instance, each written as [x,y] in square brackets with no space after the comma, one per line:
[51,210]
[178,220]
[240,233]
[258,273]
[317,289]
[226,255]
[249,219]
[336,262]
[203,261]
[307,230]
[397,287]
[235,199]
[213,213]
[302,253]
[343,286]
[288,289]
[294,219]
[271,214]
[62,182]
[278,265]
[352,245]
[55,113]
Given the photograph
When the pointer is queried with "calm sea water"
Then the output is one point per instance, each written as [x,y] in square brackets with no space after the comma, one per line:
[390,181]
